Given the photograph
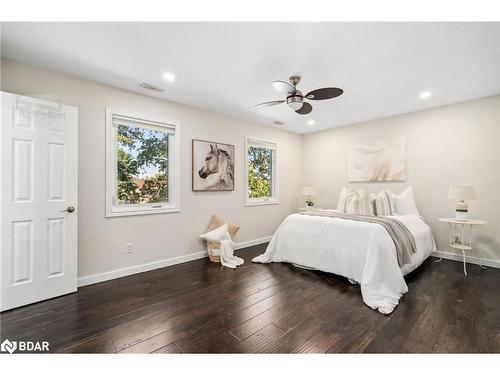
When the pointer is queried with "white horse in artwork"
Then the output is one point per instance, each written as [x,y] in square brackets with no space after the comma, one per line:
[217,170]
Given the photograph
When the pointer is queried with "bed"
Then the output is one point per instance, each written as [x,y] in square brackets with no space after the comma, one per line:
[363,252]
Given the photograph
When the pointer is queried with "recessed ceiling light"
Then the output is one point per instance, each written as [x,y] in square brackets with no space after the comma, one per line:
[425,95]
[310,122]
[169,77]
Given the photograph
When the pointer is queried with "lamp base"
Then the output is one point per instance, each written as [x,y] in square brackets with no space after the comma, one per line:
[461,211]
[309,201]
[461,215]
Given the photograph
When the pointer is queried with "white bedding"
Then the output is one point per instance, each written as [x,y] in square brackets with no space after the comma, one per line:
[360,251]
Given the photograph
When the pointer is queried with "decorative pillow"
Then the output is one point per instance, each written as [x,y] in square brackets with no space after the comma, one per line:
[217,222]
[341,203]
[404,203]
[351,203]
[384,205]
[365,206]
[359,203]
[217,234]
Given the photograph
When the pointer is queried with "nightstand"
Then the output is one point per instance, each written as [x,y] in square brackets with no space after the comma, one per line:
[461,235]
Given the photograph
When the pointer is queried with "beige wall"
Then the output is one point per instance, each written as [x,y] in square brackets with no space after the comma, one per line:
[456,144]
[102,241]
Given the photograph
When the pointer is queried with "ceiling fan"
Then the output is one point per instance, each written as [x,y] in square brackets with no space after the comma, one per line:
[295,98]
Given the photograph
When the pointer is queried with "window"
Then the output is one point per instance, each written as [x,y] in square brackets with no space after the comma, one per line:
[141,165]
[260,174]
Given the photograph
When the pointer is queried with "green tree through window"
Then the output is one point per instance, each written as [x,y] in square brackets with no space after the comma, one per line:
[142,165]
[260,169]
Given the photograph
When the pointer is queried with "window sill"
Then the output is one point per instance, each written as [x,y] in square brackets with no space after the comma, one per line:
[145,211]
[260,202]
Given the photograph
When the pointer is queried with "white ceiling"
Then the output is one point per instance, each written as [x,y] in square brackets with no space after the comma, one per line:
[229,67]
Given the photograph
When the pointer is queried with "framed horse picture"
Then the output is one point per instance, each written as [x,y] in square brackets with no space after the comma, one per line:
[213,166]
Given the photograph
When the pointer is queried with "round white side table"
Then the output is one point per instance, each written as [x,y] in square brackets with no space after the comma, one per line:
[461,234]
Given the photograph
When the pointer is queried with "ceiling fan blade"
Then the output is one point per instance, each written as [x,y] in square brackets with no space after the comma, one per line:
[324,93]
[269,104]
[305,109]
[284,87]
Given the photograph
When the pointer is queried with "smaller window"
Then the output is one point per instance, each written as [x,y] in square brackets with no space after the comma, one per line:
[141,165]
[260,174]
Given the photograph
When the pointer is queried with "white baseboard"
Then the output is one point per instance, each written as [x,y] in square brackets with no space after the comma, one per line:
[127,271]
[258,241]
[469,259]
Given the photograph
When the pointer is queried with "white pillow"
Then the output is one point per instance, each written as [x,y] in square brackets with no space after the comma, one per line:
[404,203]
[218,234]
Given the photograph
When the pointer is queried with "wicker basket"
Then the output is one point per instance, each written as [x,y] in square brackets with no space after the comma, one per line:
[213,253]
[213,247]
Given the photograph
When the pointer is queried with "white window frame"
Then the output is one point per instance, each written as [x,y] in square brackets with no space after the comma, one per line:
[273,199]
[174,201]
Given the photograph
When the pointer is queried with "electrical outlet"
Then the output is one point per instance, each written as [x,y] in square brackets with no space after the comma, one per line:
[129,247]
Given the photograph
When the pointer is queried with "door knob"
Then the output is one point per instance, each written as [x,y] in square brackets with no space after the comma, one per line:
[69,209]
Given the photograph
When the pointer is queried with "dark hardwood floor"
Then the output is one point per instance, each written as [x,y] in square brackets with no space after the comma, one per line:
[202,307]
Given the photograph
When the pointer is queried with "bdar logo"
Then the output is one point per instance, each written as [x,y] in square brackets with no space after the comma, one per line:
[8,346]
[24,346]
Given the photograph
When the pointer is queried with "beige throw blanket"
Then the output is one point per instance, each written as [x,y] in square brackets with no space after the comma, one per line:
[401,236]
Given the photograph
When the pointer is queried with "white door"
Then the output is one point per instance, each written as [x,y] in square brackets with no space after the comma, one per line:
[38,190]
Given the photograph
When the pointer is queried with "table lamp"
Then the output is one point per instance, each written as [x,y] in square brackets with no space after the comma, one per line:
[461,194]
[309,192]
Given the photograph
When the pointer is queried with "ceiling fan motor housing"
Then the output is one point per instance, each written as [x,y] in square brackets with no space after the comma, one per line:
[295,101]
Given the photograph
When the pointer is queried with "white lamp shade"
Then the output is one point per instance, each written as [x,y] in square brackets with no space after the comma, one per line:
[308,191]
[462,193]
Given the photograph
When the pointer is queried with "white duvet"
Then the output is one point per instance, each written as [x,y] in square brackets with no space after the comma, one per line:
[363,252]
